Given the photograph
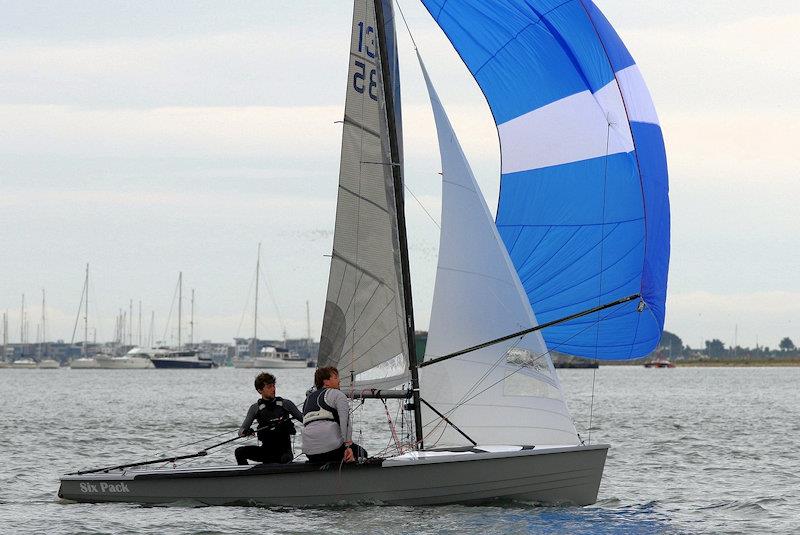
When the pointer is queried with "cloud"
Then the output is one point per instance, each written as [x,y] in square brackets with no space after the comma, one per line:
[700,315]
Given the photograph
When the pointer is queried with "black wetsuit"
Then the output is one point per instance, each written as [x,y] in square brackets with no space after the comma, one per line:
[275,429]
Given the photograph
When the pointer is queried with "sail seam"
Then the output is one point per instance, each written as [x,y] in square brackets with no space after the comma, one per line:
[591,298]
[365,58]
[358,268]
[377,317]
[481,275]
[462,186]
[604,269]
[523,225]
[620,259]
[547,260]
[510,249]
[349,120]
[533,250]
[384,337]
[362,198]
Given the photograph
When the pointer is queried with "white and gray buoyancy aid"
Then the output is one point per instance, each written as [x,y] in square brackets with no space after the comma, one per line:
[315,408]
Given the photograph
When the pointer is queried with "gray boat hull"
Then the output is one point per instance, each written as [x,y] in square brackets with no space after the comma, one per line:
[562,475]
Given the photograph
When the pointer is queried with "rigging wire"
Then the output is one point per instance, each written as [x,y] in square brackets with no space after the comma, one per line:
[422,206]
[591,406]
[272,298]
[169,316]
[403,16]
[246,305]
[78,317]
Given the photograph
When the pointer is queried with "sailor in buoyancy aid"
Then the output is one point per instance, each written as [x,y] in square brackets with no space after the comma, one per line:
[275,428]
[327,429]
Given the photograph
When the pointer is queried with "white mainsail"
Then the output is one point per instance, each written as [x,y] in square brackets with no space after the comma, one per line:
[507,393]
[363,331]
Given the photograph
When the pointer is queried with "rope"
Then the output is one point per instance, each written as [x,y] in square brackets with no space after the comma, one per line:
[391,425]
[246,305]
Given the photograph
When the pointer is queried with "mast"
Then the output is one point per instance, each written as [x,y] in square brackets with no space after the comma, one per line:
[140,323]
[397,172]
[43,347]
[130,323]
[191,322]
[5,338]
[253,349]
[308,328]
[86,313]
[180,305]
[22,326]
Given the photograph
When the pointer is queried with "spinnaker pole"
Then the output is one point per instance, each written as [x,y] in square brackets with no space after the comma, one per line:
[534,329]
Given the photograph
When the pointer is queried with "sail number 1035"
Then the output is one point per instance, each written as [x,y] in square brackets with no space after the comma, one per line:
[361,78]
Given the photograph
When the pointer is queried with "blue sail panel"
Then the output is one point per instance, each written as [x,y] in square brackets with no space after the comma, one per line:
[583,208]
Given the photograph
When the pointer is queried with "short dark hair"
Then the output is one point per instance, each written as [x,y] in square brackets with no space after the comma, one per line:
[324,373]
[263,379]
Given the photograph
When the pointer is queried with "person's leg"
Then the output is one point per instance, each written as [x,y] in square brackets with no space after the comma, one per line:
[245,453]
[278,450]
[333,456]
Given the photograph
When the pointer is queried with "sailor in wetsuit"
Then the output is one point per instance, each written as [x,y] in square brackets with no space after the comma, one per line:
[275,428]
[327,430]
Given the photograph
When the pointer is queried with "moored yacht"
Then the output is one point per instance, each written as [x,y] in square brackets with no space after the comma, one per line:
[83,363]
[124,362]
[272,357]
[24,363]
[165,358]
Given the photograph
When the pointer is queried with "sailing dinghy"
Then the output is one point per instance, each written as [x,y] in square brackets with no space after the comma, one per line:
[489,416]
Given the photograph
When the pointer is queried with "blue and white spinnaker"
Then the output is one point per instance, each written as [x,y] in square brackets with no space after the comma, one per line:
[584,207]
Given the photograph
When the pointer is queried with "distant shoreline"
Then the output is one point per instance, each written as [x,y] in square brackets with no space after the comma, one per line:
[716,363]
[740,363]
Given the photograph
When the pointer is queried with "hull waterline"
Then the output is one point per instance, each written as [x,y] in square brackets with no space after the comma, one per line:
[563,475]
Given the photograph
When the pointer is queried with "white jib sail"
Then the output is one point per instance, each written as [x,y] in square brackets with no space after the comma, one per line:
[507,393]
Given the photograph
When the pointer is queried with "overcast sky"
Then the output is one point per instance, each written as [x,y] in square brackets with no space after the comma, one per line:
[148,138]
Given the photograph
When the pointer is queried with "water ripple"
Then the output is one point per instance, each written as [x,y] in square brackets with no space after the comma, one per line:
[693,451]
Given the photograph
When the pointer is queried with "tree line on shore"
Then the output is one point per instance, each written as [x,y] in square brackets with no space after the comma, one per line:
[672,347]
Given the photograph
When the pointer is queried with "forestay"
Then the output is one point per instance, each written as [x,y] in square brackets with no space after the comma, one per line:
[507,393]
[363,331]
[583,208]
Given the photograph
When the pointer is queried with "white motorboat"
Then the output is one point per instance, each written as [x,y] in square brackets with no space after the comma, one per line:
[272,357]
[24,363]
[124,362]
[83,363]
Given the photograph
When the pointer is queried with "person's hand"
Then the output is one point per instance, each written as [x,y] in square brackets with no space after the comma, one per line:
[348,455]
[247,432]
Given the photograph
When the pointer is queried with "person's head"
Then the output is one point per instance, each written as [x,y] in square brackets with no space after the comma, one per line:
[265,385]
[327,377]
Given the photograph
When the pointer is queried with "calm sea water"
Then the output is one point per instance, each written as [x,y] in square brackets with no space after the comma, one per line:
[693,450]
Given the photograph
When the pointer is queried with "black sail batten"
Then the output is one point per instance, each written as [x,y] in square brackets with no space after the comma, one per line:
[397,172]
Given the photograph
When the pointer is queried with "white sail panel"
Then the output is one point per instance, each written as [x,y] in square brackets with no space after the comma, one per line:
[507,393]
[363,326]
